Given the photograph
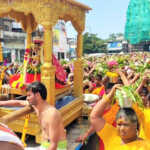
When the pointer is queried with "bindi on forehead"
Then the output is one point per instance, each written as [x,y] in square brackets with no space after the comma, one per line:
[122,118]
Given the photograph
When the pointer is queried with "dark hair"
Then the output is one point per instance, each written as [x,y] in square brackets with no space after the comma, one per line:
[120,80]
[99,77]
[130,114]
[144,91]
[86,87]
[109,85]
[38,87]
[148,97]
[68,69]
[91,76]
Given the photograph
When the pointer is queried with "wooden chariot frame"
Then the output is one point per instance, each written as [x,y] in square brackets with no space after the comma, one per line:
[30,13]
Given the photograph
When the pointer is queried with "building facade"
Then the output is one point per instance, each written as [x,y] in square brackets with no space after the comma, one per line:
[13,40]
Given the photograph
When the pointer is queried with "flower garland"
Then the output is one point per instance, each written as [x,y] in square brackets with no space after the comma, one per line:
[110,115]
[18,81]
[33,70]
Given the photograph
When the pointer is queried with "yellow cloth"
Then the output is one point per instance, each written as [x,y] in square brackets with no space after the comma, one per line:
[136,145]
[109,136]
[113,142]
[110,115]
[144,120]
[112,76]
[146,123]
[86,91]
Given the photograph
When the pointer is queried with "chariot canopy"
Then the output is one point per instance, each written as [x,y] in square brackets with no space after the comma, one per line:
[44,12]
[31,13]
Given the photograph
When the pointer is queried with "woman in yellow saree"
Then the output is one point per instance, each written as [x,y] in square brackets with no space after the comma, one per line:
[144,118]
[125,135]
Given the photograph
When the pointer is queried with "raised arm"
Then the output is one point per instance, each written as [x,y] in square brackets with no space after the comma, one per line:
[130,75]
[105,80]
[136,77]
[124,78]
[138,90]
[96,115]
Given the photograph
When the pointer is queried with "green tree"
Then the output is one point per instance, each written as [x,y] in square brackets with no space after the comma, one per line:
[112,37]
[93,44]
[119,34]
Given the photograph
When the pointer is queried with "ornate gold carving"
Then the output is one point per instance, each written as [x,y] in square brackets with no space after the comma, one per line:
[75,14]
[47,71]
[1,53]
[29,40]
[45,11]
[48,78]
[48,43]
[79,45]
[78,77]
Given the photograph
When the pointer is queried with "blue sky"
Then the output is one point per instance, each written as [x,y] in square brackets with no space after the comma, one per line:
[106,17]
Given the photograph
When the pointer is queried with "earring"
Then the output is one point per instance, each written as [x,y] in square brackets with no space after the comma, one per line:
[137,132]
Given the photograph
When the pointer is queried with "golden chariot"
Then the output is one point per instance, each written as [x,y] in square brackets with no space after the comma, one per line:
[30,13]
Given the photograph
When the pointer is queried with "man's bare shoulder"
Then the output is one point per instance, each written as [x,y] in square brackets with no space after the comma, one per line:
[53,112]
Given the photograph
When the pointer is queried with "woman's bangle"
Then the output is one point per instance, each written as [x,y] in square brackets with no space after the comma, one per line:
[106,97]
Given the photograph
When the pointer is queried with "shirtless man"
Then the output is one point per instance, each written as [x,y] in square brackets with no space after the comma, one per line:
[53,133]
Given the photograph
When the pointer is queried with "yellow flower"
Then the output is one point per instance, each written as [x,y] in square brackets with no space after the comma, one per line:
[111,74]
